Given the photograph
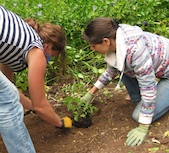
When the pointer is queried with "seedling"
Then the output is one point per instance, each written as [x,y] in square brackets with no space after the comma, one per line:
[80,110]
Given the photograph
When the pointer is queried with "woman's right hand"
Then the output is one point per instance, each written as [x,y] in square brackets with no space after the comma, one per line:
[87,97]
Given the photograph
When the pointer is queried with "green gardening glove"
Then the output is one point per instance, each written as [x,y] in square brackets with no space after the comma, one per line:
[87,97]
[137,135]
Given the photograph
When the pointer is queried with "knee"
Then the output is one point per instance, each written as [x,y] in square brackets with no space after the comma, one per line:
[135,115]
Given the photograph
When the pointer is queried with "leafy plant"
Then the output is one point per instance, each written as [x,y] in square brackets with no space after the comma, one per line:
[82,64]
[73,101]
[78,108]
[21,80]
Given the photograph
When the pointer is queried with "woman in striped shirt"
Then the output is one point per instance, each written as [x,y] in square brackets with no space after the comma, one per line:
[22,47]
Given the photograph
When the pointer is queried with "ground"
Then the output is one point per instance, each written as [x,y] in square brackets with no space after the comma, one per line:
[107,134]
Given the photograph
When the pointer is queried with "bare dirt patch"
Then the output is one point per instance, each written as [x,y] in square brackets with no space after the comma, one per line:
[110,125]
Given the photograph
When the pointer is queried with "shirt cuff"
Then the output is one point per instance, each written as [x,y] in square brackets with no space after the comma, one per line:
[145,119]
[99,85]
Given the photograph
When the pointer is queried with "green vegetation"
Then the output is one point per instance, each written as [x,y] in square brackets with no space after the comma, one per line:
[78,108]
[73,15]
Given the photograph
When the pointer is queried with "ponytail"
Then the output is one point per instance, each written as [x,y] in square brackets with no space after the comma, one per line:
[32,22]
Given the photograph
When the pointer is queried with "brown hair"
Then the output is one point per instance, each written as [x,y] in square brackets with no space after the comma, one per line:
[32,22]
[100,28]
[50,33]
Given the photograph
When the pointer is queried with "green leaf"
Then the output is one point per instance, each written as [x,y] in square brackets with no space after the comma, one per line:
[166,150]
[101,71]
[153,149]
[80,76]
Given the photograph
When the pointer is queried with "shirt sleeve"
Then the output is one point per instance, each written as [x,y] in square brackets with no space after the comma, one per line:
[144,71]
[108,75]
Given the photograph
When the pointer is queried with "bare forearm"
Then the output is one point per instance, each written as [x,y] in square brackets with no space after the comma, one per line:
[47,113]
[26,102]
[93,90]
[44,111]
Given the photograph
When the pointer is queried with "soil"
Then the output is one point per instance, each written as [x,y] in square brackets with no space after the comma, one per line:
[107,134]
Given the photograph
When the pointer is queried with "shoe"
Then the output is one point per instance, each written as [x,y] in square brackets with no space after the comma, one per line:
[127,97]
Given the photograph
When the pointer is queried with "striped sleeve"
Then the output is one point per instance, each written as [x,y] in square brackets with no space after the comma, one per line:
[107,76]
[16,39]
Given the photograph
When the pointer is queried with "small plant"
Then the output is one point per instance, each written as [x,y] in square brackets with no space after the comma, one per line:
[78,108]
[81,111]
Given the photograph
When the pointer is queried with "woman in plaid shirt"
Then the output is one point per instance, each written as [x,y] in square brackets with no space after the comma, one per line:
[140,57]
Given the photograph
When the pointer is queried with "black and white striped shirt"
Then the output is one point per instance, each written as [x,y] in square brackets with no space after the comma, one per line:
[16,39]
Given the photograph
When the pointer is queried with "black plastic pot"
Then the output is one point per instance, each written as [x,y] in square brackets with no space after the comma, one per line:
[83,122]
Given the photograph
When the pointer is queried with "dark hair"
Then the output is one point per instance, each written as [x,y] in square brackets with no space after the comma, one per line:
[100,28]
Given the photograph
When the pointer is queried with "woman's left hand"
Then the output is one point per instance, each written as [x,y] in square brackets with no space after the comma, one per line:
[137,135]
